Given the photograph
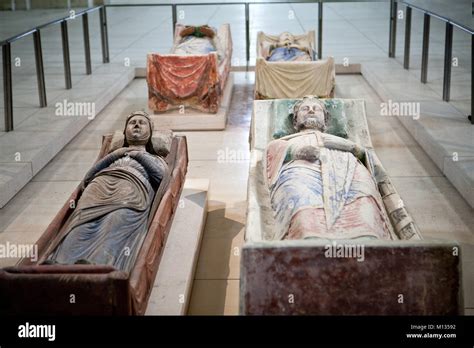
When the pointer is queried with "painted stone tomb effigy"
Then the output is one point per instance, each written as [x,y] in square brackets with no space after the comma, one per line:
[326,231]
[193,81]
[288,67]
[104,246]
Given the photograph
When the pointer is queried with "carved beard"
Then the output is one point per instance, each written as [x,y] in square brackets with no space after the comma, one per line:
[312,123]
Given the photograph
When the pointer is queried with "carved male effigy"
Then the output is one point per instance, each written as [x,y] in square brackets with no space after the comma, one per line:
[322,185]
[288,50]
[287,67]
[194,74]
[111,217]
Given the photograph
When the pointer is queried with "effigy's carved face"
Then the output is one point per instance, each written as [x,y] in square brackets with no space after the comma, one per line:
[310,114]
[286,38]
[137,131]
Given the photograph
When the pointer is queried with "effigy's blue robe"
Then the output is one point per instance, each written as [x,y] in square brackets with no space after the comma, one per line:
[111,218]
[334,197]
[287,54]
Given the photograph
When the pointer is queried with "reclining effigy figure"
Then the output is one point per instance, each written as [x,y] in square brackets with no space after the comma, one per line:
[197,40]
[110,220]
[106,242]
[288,50]
[319,186]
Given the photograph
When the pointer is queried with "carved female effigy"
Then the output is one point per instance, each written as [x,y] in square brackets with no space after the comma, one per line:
[288,67]
[105,244]
[111,217]
[195,72]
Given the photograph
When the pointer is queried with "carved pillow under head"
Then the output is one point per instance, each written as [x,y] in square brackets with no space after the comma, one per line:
[268,42]
[282,120]
[161,140]
[198,31]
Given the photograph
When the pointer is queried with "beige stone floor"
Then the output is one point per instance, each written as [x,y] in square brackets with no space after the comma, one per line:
[436,206]
[216,284]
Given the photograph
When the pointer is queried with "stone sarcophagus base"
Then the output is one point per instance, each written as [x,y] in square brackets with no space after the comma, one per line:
[309,278]
[76,289]
[191,119]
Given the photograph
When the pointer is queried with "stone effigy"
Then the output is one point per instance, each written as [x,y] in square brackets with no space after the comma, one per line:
[318,185]
[287,67]
[329,139]
[326,231]
[104,246]
[287,49]
[195,72]
[111,217]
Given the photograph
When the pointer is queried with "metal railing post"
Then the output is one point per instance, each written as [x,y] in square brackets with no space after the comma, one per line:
[247,34]
[425,48]
[7,86]
[40,68]
[472,79]
[87,46]
[66,57]
[104,36]
[174,15]
[320,29]
[406,58]
[448,56]
[392,40]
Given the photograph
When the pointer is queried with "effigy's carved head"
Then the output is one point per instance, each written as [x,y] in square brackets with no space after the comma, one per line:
[138,130]
[310,113]
[198,31]
[286,38]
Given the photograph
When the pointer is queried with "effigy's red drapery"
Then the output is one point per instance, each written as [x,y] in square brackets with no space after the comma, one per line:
[191,80]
